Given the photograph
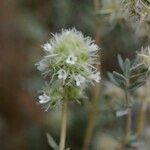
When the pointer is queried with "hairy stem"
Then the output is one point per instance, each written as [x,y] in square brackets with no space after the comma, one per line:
[128,119]
[63,126]
[93,110]
[141,119]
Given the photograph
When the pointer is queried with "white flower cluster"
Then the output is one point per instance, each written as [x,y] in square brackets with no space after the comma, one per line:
[137,12]
[68,66]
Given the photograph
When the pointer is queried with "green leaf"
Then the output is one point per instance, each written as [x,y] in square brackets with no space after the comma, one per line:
[135,76]
[119,76]
[121,63]
[136,85]
[112,79]
[137,68]
[51,142]
[127,66]
[116,81]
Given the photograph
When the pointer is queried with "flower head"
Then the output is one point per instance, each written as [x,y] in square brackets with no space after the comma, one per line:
[137,10]
[137,13]
[70,57]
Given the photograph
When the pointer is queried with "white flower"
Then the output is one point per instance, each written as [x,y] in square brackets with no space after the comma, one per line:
[47,47]
[44,99]
[79,79]
[71,59]
[42,65]
[62,74]
[93,47]
[96,77]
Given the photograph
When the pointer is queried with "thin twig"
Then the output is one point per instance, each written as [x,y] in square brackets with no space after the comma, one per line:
[141,119]
[93,108]
[128,127]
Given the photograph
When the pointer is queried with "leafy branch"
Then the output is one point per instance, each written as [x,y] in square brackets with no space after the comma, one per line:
[132,76]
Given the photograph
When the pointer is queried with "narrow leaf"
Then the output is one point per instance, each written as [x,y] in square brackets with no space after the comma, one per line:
[112,79]
[121,63]
[136,85]
[137,68]
[51,142]
[127,66]
[137,75]
[119,76]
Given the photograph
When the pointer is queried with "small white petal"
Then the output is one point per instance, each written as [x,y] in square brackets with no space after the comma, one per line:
[78,83]
[71,59]
[62,74]
[93,47]
[42,65]
[79,80]
[44,99]
[96,77]
[47,47]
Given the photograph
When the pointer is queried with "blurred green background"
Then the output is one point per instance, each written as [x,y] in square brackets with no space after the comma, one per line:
[24,26]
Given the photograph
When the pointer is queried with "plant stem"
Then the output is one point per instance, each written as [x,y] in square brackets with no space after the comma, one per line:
[141,119]
[63,126]
[90,126]
[93,108]
[128,126]
[128,119]
[96,4]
